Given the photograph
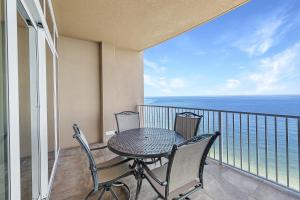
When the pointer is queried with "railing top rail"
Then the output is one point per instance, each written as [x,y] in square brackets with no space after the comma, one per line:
[227,111]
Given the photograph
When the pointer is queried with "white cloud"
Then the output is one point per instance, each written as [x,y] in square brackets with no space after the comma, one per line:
[263,37]
[274,70]
[232,83]
[154,66]
[167,86]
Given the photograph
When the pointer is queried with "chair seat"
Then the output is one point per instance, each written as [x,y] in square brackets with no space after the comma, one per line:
[113,173]
[160,173]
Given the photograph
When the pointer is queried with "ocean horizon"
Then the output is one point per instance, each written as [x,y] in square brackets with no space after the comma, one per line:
[269,104]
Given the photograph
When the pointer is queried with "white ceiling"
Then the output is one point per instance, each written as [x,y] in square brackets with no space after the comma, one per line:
[135,24]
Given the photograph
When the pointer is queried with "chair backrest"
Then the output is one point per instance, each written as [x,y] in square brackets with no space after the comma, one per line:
[79,136]
[187,124]
[127,120]
[187,161]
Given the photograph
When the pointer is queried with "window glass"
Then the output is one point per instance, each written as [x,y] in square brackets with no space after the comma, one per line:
[49,19]
[42,2]
[3,130]
[24,109]
[50,109]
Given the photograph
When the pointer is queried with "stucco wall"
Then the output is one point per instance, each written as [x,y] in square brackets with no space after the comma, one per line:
[122,82]
[95,81]
[79,90]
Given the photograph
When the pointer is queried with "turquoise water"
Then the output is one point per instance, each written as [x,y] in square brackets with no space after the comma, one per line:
[242,147]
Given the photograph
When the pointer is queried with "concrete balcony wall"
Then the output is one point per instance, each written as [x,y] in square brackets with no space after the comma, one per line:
[122,82]
[79,90]
[95,81]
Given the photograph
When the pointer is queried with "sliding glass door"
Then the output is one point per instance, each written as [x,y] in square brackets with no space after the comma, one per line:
[50,109]
[3,111]
[28,106]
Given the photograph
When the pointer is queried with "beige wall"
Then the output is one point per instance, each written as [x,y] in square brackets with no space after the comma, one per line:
[122,82]
[79,89]
[95,81]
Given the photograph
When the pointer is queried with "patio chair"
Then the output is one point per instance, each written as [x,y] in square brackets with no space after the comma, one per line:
[105,175]
[127,120]
[187,124]
[183,174]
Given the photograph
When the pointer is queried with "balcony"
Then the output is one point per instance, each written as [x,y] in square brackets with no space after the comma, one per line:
[266,171]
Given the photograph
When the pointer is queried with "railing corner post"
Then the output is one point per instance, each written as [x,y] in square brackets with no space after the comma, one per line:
[220,138]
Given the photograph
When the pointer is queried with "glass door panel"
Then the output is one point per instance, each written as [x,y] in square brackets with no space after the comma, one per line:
[50,109]
[3,129]
[24,109]
[28,107]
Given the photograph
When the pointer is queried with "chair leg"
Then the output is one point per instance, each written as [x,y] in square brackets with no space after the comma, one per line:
[114,194]
[138,188]
[101,194]
[89,194]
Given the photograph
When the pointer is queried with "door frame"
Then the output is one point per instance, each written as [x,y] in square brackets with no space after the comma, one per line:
[39,33]
[12,80]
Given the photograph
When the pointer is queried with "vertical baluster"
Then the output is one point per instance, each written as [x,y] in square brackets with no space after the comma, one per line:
[161,117]
[156,117]
[256,143]
[299,152]
[165,117]
[203,122]
[157,111]
[146,115]
[195,113]
[142,108]
[149,118]
[266,145]
[168,118]
[213,121]
[208,122]
[241,146]
[248,140]
[233,139]
[227,136]
[287,151]
[220,139]
[152,114]
[276,151]
[141,115]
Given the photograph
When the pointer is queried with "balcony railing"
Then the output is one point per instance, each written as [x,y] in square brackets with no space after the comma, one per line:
[264,145]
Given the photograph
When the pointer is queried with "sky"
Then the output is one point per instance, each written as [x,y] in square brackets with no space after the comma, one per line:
[252,50]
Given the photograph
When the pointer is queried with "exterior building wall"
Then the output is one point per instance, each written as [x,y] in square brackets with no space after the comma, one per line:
[122,82]
[95,81]
[79,91]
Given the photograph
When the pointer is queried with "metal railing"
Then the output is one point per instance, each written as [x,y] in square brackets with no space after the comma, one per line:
[264,145]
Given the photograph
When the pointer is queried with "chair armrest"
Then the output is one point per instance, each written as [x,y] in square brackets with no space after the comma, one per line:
[162,183]
[98,148]
[114,164]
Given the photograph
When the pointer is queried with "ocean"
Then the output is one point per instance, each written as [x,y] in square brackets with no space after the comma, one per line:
[275,104]
[254,148]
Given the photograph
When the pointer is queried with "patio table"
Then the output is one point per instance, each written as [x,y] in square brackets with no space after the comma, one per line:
[143,143]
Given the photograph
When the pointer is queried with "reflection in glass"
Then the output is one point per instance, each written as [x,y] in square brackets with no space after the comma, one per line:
[49,19]
[24,109]
[50,110]
[3,130]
